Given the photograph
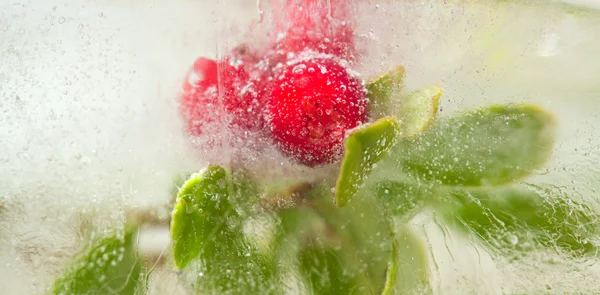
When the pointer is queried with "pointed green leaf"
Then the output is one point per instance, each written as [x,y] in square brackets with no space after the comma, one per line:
[207,231]
[201,211]
[418,110]
[364,148]
[111,266]
[521,218]
[178,181]
[382,90]
[490,146]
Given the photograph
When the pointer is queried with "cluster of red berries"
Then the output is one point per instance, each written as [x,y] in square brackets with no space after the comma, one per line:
[299,92]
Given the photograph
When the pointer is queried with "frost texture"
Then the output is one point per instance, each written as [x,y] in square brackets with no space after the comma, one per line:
[86,90]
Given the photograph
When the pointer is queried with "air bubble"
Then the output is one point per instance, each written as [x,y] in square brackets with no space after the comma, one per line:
[61,20]
[512,239]
[299,69]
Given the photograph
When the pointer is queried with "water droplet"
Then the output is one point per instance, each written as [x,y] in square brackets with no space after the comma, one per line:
[61,20]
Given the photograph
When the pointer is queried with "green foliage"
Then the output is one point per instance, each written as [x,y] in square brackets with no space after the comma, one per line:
[325,270]
[486,147]
[208,227]
[382,91]
[469,168]
[202,210]
[411,262]
[110,266]
[405,198]
[457,166]
[340,250]
[364,148]
[418,110]
[521,218]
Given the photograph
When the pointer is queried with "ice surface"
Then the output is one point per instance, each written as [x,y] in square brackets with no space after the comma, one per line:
[89,127]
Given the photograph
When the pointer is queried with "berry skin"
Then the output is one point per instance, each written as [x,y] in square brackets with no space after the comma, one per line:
[215,91]
[312,105]
[317,25]
[198,101]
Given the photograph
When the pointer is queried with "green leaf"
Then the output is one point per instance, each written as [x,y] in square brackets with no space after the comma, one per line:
[201,211]
[489,146]
[418,110]
[412,262]
[523,218]
[364,148]
[178,181]
[336,248]
[323,254]
[382,90]
[408,270]
[326,271]
[207,231]
[110,266]
[404,199]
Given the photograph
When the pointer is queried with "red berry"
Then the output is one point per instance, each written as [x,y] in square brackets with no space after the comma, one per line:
[198,102]
[311,106]
[246,105]
[216,91]
[317,25]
